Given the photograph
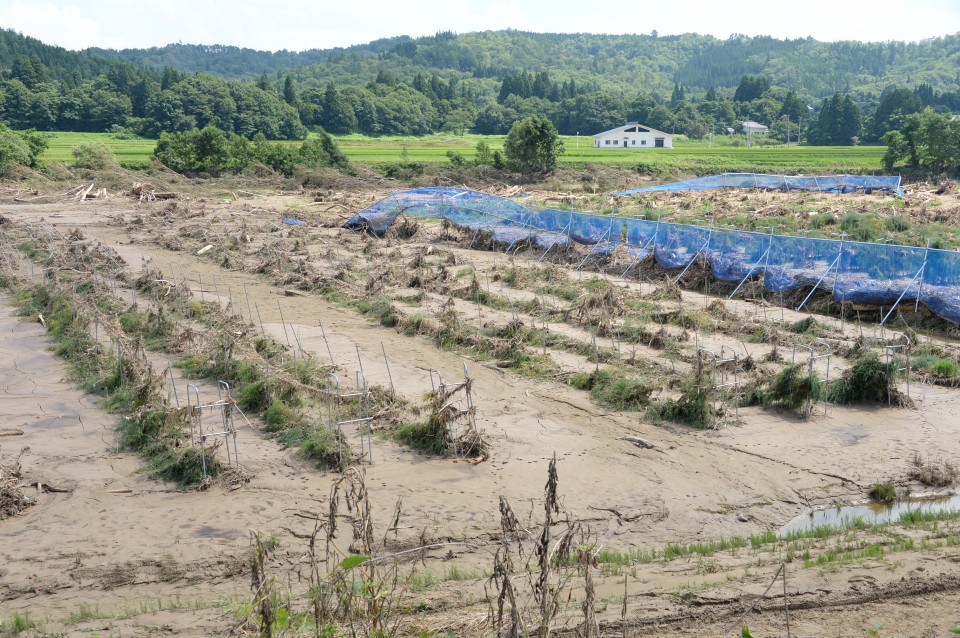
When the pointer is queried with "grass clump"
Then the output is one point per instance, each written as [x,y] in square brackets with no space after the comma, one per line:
[384,312]
[884,493]
[794,388]
[20,624]
[159,436]
[938,473]
[318,444]
[692,407]
[803,326]
[430,436]
[614,389]
[323,448]
[868,380]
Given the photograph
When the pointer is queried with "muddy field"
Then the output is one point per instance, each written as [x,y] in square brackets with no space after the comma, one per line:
[678,523]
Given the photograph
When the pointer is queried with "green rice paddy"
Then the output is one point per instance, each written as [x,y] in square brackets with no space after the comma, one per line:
[700,157]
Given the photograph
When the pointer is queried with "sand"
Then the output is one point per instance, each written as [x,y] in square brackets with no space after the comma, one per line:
[141,556]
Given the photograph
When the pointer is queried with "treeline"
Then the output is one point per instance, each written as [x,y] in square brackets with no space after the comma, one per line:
[925,143]
[461,83]
[137,101]
[617,63]
[236,63]
[212,152]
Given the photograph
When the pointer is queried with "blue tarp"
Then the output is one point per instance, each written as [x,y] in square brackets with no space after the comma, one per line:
[854,271]
[823,183]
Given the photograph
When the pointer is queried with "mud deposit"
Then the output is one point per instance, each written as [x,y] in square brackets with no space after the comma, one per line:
[686,525]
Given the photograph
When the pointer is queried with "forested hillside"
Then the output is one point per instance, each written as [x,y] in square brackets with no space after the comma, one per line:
[614,62]
[234,62]
[825,93]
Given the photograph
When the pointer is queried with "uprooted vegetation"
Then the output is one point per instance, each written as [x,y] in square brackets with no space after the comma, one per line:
[105,344]
[554,326]
[450,426]
[107,361]
[932,472]
[537,319]
[12,499]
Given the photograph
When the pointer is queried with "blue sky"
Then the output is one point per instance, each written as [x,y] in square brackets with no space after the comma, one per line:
[305,24]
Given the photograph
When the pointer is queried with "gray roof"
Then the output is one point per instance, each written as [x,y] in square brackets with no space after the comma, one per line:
[620,128]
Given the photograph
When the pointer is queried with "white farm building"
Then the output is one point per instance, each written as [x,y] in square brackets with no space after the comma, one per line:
[633,135]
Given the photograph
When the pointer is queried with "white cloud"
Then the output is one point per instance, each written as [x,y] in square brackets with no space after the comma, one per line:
[64,25]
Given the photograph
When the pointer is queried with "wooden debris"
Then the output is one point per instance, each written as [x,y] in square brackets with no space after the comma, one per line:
[145,193]
[121,490]
[82,194]
[205,249]
[11,432]
[636,440]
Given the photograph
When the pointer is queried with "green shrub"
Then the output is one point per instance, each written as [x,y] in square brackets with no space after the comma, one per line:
[944,368]
[822,220]
[897,224]
[869,380]
[429,436]
[93,156]
[322,447]
[614,389]
[277,416]
[692,407]
[456,159]
[159,436]
[23,148]
[804,325]
[883,493]
[384,312]
[794,387]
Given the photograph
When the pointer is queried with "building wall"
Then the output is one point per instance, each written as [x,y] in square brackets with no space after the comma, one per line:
[634,140]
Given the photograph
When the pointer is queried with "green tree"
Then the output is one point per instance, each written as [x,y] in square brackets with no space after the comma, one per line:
[289,92]
[23,148]
[337,115]
[198,151]
[751,87]
[321,150]
[533,145]
[484,156]
[895,104]
[928,141]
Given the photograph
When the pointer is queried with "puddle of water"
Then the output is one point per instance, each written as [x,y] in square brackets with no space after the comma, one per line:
[871,512]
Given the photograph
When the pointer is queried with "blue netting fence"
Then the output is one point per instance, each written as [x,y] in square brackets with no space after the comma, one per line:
[878,274]
[823,183]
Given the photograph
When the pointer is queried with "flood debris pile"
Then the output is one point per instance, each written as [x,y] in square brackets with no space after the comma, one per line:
[12,499]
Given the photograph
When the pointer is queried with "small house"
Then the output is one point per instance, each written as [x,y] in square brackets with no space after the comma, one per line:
[633,135]
[754,128]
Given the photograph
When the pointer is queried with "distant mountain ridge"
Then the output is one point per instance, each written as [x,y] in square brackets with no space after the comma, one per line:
[652,62]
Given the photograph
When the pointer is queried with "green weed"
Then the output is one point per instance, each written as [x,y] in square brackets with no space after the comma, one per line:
[883,493]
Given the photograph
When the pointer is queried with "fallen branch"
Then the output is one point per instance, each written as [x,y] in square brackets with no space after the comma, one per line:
[636,440]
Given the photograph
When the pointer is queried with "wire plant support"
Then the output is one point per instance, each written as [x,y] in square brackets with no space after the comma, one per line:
[724,368]
[338,416]
[816,350]
[893,345]
[222,409]
[453,403]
